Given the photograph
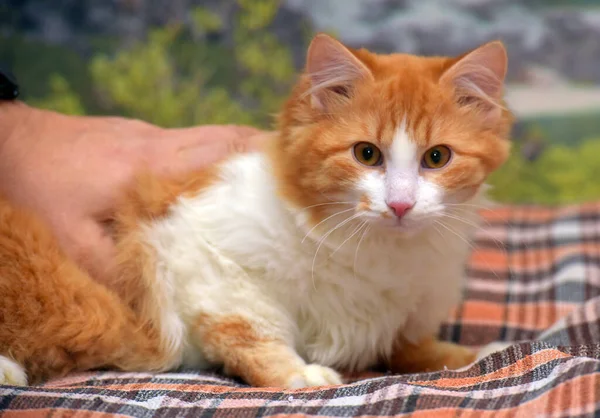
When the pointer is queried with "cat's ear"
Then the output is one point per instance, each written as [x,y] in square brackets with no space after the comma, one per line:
[333,71]
[478,79]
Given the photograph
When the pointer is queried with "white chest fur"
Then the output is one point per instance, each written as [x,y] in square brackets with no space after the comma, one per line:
[235,249]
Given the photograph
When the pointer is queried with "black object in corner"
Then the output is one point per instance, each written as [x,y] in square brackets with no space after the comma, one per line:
[9,89]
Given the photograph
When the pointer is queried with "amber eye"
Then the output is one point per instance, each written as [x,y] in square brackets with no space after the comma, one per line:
[368,154]
[436,157]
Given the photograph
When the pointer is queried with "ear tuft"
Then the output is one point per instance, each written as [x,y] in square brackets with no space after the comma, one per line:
[333,70]
[478,79]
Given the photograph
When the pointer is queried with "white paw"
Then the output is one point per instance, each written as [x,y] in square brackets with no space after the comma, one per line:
[314,375]
[11,373]
[492,348]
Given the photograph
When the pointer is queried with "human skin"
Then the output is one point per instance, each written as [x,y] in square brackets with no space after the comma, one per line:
[70,170]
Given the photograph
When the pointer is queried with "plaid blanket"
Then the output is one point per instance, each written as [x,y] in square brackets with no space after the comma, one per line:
[534,280]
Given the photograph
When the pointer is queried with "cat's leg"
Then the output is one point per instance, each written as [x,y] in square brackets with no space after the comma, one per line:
[251,350]
[428,355]
[416,348]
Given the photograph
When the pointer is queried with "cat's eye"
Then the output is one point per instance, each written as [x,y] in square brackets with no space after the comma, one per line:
[368,154]
[436,157]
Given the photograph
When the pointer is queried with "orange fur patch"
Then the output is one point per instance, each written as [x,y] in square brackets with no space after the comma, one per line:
[364,203]
[428,355]
[53,317]
[234,343]
[149,199]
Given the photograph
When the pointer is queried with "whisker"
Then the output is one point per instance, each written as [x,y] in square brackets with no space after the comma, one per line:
[472,205]
[324,220]
[364,233]
[440,233]
[322,240]
[458,218]
[499,244]
[460,209]
[356,231]
[327,203]
[455,233]
[465,221]
[489,224]
[466,242]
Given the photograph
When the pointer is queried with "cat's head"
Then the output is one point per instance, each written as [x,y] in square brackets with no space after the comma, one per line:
[393,139]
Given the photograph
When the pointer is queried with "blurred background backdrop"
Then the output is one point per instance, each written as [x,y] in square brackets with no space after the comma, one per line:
[184,62]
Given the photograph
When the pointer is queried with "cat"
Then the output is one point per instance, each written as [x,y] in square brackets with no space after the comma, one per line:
[339,246]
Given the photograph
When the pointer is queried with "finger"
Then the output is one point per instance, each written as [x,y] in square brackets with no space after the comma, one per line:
[208,134]
[91,247]
[195,157]
[171,151]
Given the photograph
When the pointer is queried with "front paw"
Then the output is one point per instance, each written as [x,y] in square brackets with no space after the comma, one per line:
[458,357]
[492,348]
[430,355]
[314,375]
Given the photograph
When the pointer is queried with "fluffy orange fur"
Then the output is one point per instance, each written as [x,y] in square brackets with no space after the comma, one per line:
[55,319]
[148,199]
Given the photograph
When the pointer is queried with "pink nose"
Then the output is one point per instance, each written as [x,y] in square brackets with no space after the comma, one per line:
[400,208]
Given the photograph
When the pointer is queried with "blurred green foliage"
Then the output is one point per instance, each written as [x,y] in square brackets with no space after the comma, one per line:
[564,168]
[61,98]
[178,76]
[37,64]
[565,129]
[174,80]
[145,82]
[209,72]
[562,174]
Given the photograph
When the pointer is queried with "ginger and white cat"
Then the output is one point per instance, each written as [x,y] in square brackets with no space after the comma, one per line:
[338,247]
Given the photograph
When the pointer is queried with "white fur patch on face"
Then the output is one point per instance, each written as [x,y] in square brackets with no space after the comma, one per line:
[401,183]
[402,155]
[430,197]
[401,169]
[372,185]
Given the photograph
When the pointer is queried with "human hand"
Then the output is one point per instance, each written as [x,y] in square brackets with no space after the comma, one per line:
[70,170]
